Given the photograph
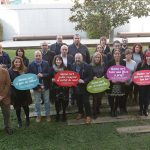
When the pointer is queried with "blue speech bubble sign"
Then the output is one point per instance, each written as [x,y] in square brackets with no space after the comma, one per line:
[26,81]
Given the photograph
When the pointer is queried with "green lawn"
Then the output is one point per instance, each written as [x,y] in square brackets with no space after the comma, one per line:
[60,136]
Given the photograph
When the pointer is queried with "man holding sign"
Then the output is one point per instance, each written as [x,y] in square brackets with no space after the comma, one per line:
[80,91]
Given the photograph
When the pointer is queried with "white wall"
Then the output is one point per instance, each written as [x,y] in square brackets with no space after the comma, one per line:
[35,20]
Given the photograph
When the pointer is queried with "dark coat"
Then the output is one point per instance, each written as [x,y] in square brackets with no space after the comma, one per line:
[45,71]
[112,63]
[85,74]
[72,50]
[49,56]
[6,60]
[19,98]
[106,50]
[56,48]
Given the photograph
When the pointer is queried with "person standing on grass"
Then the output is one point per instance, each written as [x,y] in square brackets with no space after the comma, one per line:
[131,65]
[138,56]
[42,70]
[19,98]
[77,47]
[116,92]
[144,91]
[60,94]
[5,60]
[80,92]
[48,56]
[98,69]
[5,98]
[21,53]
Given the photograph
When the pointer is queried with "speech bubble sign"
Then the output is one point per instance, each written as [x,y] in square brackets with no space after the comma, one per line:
[98,85]
[141,77]
[118,73]
[26,81]
[67,78]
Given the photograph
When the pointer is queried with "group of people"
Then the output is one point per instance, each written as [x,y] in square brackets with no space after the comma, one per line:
[76,57]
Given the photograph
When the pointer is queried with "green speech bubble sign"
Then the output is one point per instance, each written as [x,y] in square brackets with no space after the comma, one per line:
[98,85]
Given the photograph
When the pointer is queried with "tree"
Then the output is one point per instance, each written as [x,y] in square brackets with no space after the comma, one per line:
[100,17]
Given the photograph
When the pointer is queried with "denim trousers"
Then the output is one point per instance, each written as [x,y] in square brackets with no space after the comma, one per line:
[45,96]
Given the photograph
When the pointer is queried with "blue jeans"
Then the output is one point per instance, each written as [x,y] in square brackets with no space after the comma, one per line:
[45,95]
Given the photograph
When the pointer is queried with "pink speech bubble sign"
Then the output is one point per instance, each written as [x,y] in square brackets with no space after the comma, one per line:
[141,77]
[67,78]
[118,73]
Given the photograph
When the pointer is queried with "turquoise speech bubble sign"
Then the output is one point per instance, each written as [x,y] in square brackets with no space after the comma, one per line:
[26,81]
[98,85]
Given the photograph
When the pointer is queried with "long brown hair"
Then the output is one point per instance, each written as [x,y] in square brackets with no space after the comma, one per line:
[22,68]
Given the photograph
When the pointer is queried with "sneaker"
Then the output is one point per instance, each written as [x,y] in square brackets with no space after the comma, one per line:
[79,116]
[38,119]
[48,119]
[88,120]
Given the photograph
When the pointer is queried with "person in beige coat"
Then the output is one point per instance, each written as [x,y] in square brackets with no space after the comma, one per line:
[5,98]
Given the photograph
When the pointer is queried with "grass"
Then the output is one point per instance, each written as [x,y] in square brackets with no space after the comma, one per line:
[60,136]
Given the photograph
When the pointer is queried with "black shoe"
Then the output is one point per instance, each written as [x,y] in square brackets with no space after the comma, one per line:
[19,124]
[27,122]
[9,131]
[57,118]
[145,112]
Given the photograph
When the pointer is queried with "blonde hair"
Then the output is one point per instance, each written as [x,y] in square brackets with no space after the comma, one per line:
[93,58]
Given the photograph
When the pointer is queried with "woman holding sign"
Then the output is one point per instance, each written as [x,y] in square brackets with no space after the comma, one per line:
[144,90]
[98,69]
[116,92]
[19,98]
[61,94]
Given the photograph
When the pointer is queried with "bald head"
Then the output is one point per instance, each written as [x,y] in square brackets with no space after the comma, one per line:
[78,58]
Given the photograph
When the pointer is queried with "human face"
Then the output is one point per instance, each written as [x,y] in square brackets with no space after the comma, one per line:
[103,42]
[117,46]
[45,46]
[64,50]
[20,53]
[58,62]
[59,39]
[17,63]
[128,56]
[100,49]
[38,56]
[148,59]
[76,39]
[97,59]
[117,55]
[78,59]
[137,49]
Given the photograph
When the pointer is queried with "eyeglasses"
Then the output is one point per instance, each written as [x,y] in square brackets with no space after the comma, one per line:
[44,45]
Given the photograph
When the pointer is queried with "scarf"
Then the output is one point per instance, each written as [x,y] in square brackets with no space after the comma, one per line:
[39,66]
[57,69]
